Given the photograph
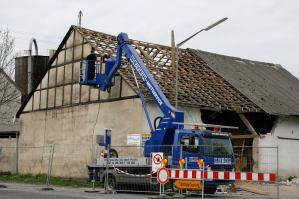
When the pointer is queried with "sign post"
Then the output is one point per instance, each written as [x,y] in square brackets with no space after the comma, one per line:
[201,166]
[163,178]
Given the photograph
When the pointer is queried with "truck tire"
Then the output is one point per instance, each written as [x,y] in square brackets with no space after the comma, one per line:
[173,187]
[210,190]
[112,184]
[113,153]
[108,89]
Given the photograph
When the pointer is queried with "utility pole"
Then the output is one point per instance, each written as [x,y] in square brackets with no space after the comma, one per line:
[177,53]
[80,14]
[173,65]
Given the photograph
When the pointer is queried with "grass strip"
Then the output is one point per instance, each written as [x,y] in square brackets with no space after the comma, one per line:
[41,179]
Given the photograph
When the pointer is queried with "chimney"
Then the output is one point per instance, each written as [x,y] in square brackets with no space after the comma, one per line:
[29,69]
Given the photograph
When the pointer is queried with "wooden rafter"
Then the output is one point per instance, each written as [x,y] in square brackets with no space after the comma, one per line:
[248,125]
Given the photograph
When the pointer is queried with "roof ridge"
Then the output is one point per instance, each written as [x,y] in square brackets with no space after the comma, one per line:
[111,35]
[237,58]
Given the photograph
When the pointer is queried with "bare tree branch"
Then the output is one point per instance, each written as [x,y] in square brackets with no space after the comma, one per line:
[9,94]
[6,52]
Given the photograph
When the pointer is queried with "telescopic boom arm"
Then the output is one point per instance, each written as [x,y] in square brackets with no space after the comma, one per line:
[149,82]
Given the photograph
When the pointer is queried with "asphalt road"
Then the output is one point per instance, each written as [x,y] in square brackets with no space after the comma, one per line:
[21,191]
[21,194]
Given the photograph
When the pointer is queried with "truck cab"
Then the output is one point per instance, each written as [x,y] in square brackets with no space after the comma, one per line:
[214,148]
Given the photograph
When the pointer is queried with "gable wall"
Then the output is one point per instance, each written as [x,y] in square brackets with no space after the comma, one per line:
[60,86]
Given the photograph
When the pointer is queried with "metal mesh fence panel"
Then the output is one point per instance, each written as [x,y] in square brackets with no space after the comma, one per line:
[125,168]
[8,160]
[258,160]
[128,170]
[35,160]
[27,160]
[71,160]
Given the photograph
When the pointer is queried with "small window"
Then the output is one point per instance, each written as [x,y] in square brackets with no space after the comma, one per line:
[190,143]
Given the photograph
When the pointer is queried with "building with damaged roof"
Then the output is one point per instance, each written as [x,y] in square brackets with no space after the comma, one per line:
[212,89]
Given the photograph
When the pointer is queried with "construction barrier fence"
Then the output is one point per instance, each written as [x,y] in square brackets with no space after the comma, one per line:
[27,160]
[231,171]
[238,170]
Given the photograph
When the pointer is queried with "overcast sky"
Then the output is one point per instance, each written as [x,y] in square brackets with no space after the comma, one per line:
[265,30]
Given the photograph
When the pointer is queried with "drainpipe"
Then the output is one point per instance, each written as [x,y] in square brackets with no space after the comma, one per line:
[30,78]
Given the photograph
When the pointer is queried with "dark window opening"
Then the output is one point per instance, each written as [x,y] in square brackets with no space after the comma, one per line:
[190,143]
[217,147]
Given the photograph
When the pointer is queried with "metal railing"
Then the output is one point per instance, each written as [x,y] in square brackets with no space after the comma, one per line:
[85,70]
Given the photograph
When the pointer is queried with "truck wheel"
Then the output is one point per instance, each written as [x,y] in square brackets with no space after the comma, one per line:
[108,89]
[210,190]
[111,182]
[113,153]
[174,188]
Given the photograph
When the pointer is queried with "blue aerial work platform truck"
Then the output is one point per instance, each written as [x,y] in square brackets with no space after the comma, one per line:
[169,136]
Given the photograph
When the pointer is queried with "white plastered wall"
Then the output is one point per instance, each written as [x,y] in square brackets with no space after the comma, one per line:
[73,130]
[285,136]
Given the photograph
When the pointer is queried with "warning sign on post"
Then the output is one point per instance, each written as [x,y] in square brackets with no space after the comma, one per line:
[156,161]
[162,176]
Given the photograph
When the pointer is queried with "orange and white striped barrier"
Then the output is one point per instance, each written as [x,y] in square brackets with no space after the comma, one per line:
[220,175]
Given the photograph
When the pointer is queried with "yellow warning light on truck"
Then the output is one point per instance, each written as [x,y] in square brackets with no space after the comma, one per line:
[182,162]
[164,162]
[200,163]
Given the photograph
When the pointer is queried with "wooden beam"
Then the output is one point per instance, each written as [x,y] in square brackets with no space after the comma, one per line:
[144,53]
[248,125]
[173,57]
[242,136]
[148,57]
[242,152]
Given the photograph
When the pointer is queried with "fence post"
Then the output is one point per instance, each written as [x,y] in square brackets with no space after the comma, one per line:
[277,170]
[106,186]
[107,168]
[49,169]
[93,181]
[203,180]
[17,152]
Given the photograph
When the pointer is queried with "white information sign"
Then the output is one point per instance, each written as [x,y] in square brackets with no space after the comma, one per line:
[133,139]
[156,161]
